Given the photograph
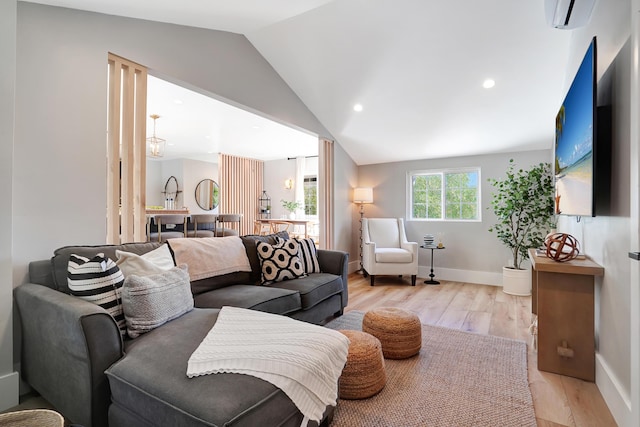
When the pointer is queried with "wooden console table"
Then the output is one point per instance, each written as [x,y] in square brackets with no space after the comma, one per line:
[563,300]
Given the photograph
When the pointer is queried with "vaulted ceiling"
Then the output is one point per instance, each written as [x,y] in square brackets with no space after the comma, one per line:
[416,67]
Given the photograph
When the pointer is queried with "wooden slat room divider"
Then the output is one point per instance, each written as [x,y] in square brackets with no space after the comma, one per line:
[241,181]
[126,156]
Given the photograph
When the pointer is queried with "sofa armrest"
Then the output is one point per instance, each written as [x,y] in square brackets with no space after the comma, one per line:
[336,262]
[67,344]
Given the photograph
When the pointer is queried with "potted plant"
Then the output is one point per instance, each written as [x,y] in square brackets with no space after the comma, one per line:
[292,207]
[523,204]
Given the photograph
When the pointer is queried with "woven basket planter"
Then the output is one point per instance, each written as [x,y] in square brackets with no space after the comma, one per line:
[364,374]
[32,418]
[399,331]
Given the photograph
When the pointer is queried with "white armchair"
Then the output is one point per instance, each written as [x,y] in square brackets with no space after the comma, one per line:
[385,249]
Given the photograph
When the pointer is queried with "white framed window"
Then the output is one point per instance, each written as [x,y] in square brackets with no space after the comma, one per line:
[311,195]
[444,195]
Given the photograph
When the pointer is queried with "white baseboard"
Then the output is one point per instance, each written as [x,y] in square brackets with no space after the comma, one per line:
[616,398]
[9,390]
[466,276]
[353,266]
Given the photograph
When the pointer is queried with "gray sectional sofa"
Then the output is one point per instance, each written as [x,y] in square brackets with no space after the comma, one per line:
[73,355]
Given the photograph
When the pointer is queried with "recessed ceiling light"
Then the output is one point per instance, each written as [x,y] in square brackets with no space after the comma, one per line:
[489,83]
[357,107]
[177,102]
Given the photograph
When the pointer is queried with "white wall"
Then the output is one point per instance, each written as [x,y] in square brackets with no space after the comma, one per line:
[607,238]
[345,179]
[61,82]
[193,172]
[472,253]
[8,377]
[275,172]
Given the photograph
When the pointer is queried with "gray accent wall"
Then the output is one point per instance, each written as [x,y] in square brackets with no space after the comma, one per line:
[57,166]
[61,110]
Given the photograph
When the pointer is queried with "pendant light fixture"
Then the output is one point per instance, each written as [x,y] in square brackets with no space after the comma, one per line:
[155,145]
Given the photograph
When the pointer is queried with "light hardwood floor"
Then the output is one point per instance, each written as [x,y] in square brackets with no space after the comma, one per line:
[557,400]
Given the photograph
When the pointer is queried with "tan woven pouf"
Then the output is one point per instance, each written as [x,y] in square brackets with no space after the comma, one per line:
[364,374]
[399,331]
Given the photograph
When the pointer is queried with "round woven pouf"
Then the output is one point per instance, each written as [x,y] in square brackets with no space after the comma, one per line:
[363,374]
[399,331]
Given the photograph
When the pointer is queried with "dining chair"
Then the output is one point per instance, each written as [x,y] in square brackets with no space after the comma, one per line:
[168,227]
[230,219]
[261,228]
[277,226]
[204,225]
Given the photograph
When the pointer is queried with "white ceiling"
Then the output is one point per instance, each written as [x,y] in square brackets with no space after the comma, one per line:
[199,127]
[416,66]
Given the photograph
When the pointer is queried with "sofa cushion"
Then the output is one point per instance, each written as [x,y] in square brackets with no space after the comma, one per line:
[98,280]
[313,288]
[393,255]
[60,259]
[280,261]
[251,246]
[153,300]
[262,298]
[150,382]
[217,282]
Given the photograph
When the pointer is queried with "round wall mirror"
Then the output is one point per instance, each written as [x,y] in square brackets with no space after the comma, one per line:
[207,194]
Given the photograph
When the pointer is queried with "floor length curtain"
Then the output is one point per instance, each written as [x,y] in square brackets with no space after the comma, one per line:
[325,193]
[126,151]
[241,182]
[299,183]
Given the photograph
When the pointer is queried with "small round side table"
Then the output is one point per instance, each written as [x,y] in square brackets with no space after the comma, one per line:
[431,281]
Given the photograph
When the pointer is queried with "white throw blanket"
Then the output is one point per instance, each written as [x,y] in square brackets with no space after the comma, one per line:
[210,256]
[303,360]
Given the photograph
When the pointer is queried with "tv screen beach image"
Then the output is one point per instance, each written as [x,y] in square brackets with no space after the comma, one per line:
[574,145]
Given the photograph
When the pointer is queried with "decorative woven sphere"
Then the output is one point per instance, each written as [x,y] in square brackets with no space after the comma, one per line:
[561,246]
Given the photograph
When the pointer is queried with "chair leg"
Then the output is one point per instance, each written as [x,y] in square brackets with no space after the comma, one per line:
[413,280]
[372,278]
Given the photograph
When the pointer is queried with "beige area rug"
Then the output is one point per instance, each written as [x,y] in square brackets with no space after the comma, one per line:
[458,379]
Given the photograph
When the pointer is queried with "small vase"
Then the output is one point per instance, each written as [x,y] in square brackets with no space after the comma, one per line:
[292,215]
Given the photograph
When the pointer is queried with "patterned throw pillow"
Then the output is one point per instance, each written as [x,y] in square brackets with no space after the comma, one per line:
[280,261]
[98,280]
[308,256]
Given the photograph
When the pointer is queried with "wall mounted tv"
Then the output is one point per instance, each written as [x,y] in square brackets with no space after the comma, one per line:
[582,147]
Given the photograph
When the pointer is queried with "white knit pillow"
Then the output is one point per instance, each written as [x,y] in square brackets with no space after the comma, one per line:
[153,300]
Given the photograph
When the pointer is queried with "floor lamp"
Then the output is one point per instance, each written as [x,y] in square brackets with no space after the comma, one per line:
[362,195]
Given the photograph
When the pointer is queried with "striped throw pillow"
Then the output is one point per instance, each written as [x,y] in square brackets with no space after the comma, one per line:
[308,256]
[98,280]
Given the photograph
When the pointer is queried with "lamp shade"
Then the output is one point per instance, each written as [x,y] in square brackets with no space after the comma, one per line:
[363,195]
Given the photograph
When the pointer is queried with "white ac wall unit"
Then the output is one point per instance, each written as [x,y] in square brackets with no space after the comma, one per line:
[568,14]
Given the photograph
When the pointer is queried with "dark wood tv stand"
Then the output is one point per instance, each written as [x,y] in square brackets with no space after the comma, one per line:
[563,300]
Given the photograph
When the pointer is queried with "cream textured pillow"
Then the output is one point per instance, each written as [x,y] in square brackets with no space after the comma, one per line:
[152,262]
[153,300]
